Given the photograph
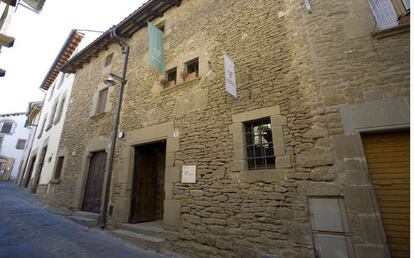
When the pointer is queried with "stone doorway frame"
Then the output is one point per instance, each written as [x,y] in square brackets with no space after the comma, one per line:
[93,145]
[159,132]
[375,116]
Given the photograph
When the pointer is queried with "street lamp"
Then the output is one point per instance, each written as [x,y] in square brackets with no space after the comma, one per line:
[112,82]
[112,79]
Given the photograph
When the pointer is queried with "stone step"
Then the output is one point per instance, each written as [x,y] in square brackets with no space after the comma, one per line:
[87,215]
[84,221]
[87,219]
[153,229]
[144,241]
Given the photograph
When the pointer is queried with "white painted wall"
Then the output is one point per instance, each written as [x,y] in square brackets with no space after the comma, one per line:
[8,147]
[51,137]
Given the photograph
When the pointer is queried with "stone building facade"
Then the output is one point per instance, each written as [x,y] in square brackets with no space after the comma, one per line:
[317,83]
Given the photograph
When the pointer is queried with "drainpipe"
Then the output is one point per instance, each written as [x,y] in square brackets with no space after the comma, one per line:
[125,51]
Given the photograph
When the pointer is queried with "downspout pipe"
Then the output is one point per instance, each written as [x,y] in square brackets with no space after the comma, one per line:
[125,52]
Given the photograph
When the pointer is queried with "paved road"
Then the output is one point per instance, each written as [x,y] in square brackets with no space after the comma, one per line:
[28,230]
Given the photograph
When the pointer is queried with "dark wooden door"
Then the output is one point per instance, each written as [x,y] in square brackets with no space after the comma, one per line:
[148,185]
[31,167]
[94,184]
[39,169]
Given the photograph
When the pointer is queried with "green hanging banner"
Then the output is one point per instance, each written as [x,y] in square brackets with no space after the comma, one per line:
[156,50]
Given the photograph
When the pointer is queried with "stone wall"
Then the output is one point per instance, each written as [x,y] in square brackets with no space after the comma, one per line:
[306,65]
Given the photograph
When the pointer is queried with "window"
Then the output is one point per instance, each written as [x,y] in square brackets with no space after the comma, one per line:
[62,78]
[52,89]
[108,59]
[259,144]
[42,127]
[20,144]
[330,228]
[59,166]
[52,115]
[172,75]
[1,140]
[60,109]
[387,13]
[103,95]
[7,127]
[191,70]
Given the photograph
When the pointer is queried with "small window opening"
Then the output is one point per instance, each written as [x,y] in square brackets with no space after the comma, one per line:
[172,75]
[108,59]
[191,70]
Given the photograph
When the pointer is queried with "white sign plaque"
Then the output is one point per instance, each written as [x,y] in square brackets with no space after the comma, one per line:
[230,76]
[188,174]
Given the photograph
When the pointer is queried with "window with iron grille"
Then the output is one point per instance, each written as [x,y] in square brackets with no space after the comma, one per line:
[7,126]
[20,144]
[259,144]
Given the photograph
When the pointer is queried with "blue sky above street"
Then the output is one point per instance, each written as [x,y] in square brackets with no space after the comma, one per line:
[39,37]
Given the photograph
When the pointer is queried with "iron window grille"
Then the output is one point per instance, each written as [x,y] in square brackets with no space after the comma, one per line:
[172,75]
[259,144]
[20,144]
[7,127]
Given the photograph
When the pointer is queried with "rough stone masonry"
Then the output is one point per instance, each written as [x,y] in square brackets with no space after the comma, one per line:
[299,69]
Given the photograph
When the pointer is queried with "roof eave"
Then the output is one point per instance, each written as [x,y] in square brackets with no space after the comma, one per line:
[126,28]
[66,51]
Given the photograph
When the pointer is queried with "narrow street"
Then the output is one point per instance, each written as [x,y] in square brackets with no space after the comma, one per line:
[27,229]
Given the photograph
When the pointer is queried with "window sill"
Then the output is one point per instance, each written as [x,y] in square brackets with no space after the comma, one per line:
[267,175]
[55,181]
[405,28]
[181,85]
[96,116]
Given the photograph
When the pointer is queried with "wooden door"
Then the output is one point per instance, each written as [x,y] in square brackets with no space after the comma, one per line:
[94,184]
[39,169]
[148,184]
[31,167]
[388,158]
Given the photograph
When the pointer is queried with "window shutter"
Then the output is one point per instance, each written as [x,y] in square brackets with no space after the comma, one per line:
[384,13]
[103,95]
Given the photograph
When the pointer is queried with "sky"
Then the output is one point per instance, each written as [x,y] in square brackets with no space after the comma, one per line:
[39,38]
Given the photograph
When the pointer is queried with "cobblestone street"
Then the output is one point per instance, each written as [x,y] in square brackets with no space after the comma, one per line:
[27,229]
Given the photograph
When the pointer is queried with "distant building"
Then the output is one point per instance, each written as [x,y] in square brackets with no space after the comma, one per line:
[13,138]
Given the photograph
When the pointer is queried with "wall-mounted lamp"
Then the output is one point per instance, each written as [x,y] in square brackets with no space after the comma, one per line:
[112,79]
[308,6]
